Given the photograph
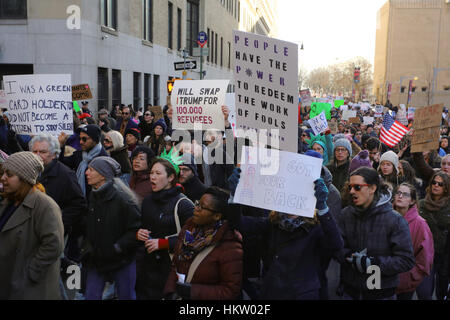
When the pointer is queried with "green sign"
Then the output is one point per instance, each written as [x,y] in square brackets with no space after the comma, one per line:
[319,107]
[76,107]
[338,103]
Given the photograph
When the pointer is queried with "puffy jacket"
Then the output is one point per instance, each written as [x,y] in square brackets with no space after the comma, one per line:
[439,223]
[219,275]
[385,235]
[112,222]
[422,240]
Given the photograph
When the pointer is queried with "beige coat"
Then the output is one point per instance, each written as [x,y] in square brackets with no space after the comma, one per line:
[31,244]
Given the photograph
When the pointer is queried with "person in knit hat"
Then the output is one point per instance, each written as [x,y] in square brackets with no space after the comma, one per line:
[388,168]
[132,138]
[113,239]
[156,141]
[113,144]
[340,165]
[193,187]
[31,233]
[360,160]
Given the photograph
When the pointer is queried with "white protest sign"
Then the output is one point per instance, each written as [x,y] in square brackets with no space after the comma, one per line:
[280,191]
[368,120]
[266,78]
[198,102]
[411,112]
[306,97]
[40,103]
[347,114]
[365,106]
[378,111]
[3,101]
[344,108]
[319,124]
[230,102]
[401,116]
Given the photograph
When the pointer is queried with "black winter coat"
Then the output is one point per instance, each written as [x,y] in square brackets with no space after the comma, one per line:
[112,223]
[62,186]
[158,217]
[194,188]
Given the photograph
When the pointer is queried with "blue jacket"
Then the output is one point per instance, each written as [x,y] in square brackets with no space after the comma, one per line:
[292,260]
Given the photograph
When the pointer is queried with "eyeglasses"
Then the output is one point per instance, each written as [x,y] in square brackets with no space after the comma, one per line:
[403,194]
[341,150]
[198,205]
[436,183]
[84,139]
[357,187]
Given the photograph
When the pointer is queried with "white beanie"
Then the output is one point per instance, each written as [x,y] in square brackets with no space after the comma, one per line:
[116,138]
[391,157]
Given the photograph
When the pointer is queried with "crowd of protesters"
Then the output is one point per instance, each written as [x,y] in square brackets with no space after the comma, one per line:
[145,216]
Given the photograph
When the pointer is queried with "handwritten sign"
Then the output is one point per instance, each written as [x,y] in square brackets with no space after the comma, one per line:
[306,97]
[280,191]
[427,123]
[319,124]
[40,103]
[347,114]
[81,92]
[266,78]
[378,111]
[428,117]
[198,102]
[333,127]
[355,120]
[368,120]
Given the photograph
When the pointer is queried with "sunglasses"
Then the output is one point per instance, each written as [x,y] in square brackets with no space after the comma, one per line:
[435,183]
[403,194]
[357,187]
[84,139]
[147,114]
[125,113]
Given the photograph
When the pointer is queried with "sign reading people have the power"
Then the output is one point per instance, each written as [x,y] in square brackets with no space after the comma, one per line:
[40,103]
[265,74]
[198,103]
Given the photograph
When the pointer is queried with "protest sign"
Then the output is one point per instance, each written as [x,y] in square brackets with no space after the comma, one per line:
[355,120]
[230,102]
[378,111]
[280,191]
[40,103]
[338,103]
[198,102]
[319,124]
[344,107]
[158,112]
[3,101]
[411,112]
[401,117]
[76,107]
[306,97]
[365,106]
[81,92]
[319,107]
[333,127]
[266,78]
[368,120]
[427,123]
[347,114]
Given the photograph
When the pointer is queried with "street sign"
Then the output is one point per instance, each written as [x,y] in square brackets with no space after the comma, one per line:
[189,65]
[202,38]
[198,53]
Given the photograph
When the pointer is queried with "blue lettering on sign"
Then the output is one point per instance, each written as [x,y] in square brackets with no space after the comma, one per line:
[202,37]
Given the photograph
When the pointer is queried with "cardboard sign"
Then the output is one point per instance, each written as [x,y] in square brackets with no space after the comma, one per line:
[81,92]
[428,117]
[278,189]
[266,78]
[355,120]
[368,120]
[158,112]
[426,126]
[306,97]
[198,102]
[40,103]
[319,124]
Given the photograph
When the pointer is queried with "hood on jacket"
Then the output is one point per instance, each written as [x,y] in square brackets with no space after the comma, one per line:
[382,203]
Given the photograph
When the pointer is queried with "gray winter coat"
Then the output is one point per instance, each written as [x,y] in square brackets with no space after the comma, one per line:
[334,196]
[385,234]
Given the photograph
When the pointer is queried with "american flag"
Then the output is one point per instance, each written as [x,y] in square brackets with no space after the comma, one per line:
[392,131]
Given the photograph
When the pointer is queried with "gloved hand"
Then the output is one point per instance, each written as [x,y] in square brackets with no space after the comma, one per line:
[233,180]
[360,261]
[321,194]
[184,290]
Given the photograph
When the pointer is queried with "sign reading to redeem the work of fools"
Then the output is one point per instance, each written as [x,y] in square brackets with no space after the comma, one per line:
[270,180]
[197,104]
[266,79]
[40,103]
[319,124]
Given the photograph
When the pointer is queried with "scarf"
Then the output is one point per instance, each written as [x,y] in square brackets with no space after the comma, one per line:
[289,224]
[433,206]
[87,158]
[196,240]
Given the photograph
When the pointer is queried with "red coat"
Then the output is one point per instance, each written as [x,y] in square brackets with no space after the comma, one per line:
[423,246]
[219,275]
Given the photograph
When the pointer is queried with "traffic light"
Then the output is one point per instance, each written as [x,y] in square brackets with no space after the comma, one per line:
[356,75]
[170,84]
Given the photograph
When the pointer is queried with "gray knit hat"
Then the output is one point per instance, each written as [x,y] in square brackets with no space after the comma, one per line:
[390,156]
[106,166]
[343,143]
[26,165]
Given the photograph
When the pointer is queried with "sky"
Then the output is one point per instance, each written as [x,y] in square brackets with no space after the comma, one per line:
[332,31]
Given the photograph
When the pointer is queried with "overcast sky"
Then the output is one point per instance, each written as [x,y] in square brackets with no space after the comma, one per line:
[331,30]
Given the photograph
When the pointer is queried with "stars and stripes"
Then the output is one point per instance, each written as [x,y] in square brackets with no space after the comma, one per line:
[392,131]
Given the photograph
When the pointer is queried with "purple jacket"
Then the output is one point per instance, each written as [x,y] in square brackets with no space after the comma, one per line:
[423,246]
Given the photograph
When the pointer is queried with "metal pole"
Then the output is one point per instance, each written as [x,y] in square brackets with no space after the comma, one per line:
[201,63]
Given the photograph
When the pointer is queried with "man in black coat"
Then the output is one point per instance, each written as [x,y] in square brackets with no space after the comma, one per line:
[193,187]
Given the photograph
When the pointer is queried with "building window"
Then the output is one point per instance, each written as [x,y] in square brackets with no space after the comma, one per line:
[221,51]
[424,89]
[103,88]
[147,90]
[136,91]
[192,16]
[155,90]
[229,55]
[209,37]
[116,87]
[13,9]
[446,88]
[109,13]
[413,89]
[212,46]
[148,19]
[402,89]
[179,16]
[170,22]
[215,53]
[239,11]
